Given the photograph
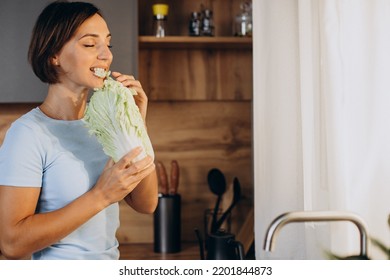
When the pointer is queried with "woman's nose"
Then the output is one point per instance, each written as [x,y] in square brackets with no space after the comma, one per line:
[105,53]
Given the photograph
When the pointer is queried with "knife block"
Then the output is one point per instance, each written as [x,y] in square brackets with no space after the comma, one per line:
[167,224]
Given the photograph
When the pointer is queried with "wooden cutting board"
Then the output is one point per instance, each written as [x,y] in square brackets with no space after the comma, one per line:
[246,233]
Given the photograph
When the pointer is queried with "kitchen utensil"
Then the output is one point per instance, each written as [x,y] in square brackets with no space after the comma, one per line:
[223,246]
[217,184]
[200,242]
[175,174]
[236,198]
[162,177]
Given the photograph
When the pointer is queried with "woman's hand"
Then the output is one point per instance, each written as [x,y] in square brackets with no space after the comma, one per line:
[140,99]
[119,179]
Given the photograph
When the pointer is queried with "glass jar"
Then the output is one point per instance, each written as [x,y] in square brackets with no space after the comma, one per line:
[194,25]
[243,21]
[207,24]
[160,16]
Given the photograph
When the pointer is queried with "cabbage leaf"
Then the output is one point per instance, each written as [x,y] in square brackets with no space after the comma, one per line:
[113,116]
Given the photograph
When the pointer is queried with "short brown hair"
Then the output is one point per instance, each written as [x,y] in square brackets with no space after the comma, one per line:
[54,27]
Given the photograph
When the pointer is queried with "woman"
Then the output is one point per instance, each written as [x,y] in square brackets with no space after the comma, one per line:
[59,192]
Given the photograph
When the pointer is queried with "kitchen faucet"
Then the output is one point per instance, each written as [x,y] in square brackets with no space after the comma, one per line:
[315,216]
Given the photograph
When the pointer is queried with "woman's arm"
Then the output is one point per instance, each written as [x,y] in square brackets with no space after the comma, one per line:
[144,197]
[22,232]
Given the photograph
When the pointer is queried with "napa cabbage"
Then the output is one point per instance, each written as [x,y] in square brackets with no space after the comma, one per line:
[113,116]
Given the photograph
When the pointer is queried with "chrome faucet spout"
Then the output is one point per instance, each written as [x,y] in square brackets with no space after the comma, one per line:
[315,216]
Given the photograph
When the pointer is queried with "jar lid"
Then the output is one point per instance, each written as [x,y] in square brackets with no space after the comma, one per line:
[160,9]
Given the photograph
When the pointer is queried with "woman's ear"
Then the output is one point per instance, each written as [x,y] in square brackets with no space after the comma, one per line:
[54,61]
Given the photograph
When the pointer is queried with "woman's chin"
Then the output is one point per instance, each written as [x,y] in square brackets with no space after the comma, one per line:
[98,84]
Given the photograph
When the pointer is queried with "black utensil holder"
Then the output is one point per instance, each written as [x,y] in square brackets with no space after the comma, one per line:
[167,224]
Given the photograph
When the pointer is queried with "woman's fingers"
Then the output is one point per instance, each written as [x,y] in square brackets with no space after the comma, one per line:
[119,179]
[124,78]
[141,98]
[136,173]
[127,162]
[128,159]
[128,81]
[140,166]
[109,164]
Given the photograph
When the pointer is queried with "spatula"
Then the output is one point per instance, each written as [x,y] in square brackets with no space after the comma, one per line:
[217,184]
[236,198]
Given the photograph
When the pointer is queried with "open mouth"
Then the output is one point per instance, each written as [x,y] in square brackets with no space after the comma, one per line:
[100,72]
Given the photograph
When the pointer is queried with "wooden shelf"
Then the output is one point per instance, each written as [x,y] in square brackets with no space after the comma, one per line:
[187,42]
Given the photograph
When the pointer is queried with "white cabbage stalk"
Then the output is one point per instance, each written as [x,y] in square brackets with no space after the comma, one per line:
[115,119]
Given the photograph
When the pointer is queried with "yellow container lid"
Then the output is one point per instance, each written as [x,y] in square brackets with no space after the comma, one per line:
[160,9]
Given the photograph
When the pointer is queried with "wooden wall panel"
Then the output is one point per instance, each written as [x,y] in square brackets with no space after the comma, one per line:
[196,74]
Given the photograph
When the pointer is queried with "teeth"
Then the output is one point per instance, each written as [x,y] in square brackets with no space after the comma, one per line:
[100,72]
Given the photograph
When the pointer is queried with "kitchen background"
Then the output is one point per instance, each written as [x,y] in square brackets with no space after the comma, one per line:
[313,124]
[200,92]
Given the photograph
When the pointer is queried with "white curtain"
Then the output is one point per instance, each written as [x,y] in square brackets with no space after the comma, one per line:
[321,121]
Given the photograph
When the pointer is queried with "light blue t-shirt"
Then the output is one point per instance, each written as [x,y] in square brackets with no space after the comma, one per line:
[65,161]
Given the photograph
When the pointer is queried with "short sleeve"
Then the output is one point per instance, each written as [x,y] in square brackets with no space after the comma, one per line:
[21,157]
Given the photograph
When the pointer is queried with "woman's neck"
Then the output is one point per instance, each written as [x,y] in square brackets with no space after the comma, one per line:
[63,104]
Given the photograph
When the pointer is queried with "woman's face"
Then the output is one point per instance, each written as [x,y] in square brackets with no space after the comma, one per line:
[88,49]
